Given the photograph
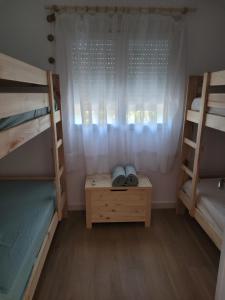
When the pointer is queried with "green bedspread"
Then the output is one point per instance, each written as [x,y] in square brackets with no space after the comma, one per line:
[26,210]
[6,123]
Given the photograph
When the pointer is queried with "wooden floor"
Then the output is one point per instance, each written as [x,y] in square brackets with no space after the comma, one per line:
[174,259]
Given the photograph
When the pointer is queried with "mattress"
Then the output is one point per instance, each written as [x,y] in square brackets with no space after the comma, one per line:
[6,123]
[26,210]
[216,111]
[211,201]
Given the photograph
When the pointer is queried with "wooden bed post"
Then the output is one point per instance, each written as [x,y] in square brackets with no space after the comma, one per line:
[58,152]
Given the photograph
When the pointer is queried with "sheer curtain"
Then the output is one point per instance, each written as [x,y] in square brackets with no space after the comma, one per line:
[122,81]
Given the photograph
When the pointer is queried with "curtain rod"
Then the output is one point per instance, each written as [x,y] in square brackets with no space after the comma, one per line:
[123,9]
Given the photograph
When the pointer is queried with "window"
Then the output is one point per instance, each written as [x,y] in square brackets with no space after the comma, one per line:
[147,67]
[106,74]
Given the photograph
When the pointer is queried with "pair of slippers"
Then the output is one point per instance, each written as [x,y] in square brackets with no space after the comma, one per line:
[124,176]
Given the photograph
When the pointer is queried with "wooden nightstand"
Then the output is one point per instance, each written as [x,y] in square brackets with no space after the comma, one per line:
[105,203]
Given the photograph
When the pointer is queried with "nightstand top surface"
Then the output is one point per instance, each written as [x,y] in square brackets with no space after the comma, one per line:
[104,181]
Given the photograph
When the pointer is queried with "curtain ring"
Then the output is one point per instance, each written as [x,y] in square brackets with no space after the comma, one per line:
[185,11]
[51,60]
[51,18]
[50,37]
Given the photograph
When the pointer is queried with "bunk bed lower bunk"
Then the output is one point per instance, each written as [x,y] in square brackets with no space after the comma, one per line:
[26,211]
[210,206]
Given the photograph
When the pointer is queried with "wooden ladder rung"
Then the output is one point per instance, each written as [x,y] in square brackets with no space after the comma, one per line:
[59,143]
[61,170]
[187,170]
[190,143]
[193,116]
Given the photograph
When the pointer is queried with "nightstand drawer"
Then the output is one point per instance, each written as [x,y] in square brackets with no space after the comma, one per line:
[118,206]
[118,198]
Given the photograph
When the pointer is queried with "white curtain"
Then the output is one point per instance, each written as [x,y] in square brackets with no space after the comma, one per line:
[122,81]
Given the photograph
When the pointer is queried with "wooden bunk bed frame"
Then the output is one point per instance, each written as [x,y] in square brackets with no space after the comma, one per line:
[203,119]
[16,73]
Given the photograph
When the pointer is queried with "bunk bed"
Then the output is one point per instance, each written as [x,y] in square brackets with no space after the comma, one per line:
[30,207]
[205,107]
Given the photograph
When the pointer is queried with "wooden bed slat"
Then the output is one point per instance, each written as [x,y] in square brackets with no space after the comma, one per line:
[212,121]
[61,170]
[17,103]
[208,228]
[14,137]
[215,122]
[13,69]
[187,170]
[217,78]
[190,143]
[193,116]
[59,143]
[216,100]
[57,116]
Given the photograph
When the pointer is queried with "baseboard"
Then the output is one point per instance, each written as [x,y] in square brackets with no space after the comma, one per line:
[155,205]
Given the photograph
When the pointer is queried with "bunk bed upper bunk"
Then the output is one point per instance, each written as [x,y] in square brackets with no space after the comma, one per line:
[214,104]
[24,102]
[27,108]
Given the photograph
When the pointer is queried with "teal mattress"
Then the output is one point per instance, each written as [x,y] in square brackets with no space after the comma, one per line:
[6,123]
[26,210]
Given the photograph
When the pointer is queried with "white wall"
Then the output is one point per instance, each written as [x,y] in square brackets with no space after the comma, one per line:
[23,31]
[206,44]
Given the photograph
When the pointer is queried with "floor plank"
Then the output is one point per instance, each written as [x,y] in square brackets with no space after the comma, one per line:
[174,259]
